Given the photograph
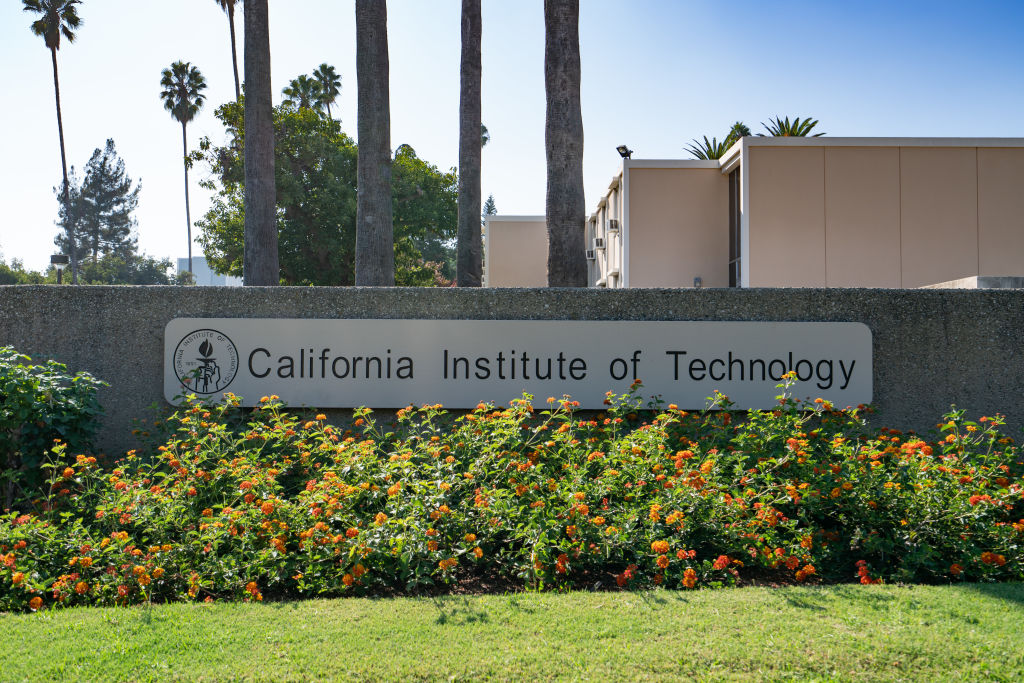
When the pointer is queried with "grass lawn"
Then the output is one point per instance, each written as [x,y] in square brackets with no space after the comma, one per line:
[967,632]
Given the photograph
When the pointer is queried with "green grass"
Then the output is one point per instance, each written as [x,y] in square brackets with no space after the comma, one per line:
[967,632]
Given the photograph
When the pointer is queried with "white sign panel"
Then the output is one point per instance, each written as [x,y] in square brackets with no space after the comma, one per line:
[459,363]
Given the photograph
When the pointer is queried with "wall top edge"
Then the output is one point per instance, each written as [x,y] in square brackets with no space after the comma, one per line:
[500,217]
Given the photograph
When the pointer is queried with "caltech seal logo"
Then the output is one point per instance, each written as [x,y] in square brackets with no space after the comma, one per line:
[205,361]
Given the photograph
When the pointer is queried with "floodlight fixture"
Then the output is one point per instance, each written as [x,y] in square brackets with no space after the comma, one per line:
[624,152]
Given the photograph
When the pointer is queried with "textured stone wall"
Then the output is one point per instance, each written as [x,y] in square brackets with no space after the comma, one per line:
[932,348]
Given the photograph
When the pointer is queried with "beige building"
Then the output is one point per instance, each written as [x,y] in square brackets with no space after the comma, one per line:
[795,212]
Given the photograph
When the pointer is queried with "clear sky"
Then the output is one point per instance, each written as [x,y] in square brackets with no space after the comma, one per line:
[655,75]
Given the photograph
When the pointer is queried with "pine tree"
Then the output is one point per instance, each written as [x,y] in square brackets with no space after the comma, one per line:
[489,207]
[102,205]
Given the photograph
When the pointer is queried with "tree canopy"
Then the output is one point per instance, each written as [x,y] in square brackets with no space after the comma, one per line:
[101,207]
[315,169]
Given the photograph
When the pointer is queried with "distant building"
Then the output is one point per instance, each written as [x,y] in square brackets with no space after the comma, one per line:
[797,212]
[204,276]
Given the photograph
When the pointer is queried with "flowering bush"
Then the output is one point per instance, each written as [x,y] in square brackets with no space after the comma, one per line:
[241,504]
[39,403]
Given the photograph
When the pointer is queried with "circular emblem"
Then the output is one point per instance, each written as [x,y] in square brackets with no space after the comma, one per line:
[205,361]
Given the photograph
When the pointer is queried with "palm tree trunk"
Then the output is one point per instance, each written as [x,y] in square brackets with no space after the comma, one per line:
[234,53]
[64,169]
[260,266]
[468,267]
[563,141]
[375,247]
[188,217]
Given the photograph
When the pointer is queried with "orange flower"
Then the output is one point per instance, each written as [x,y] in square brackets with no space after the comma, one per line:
[157,573]
[68,473]
[660,547]
[663,561]
[35,603]
[721,562]
[81,587]
[380,518]
[267,508]
[689,578]
[17,577]
[432,546]
[251,587]
[321,416]
[359,570]
[469,538]
[478,551]
[351,532]
[347,580]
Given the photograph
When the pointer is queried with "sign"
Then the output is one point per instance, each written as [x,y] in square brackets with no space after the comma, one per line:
[328,363]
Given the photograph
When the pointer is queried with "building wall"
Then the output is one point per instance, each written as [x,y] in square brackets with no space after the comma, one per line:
[678,227]
[862,217]
[787,217]
[883,216]
[1001,211]
[515,251]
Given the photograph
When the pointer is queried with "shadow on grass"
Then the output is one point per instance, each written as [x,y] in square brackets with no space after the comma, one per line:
[1011,592]
[458,611]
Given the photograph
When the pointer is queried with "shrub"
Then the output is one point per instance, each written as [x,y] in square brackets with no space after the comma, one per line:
[240,504]
[38,404]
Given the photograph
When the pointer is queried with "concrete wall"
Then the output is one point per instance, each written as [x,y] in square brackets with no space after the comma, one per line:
[515,251]
[931,347]
[849,215]
[678,227]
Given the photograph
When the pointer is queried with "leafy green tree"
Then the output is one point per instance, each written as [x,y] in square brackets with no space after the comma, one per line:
[262,265]
[782,128]
[15,274]
[302,92]
[315,164]
[563,141]
[128,269]
[330,86]
[58,18]
[102,208]
[375,243]
[229,9]
[490,208]
[183,96]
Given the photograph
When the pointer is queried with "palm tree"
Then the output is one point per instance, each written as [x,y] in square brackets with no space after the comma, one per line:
[260,263]
[709,149]
[375,246]
[472,134]
[182,94]
[780,128]
[57,18]
[330,86]
[563,141]
[738,130]
[229,9]
[303,92]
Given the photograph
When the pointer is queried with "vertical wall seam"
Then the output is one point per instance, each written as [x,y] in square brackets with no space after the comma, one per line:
[824,208]
[899,208]
[977,208]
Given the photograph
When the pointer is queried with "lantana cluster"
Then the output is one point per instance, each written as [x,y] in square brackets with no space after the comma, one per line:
[248,504]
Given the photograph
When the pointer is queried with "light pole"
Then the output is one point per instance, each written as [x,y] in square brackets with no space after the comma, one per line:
[60,262]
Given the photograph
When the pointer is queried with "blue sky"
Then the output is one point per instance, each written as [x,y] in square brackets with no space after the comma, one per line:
[655,75]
